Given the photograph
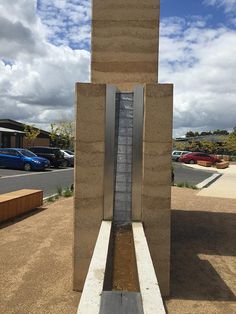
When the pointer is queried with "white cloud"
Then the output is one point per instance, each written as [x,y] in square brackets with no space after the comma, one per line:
[68,21]
[43,52]
[228,5]
[37,78]
[201,62]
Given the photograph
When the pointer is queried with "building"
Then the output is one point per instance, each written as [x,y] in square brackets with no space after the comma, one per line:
[12,135]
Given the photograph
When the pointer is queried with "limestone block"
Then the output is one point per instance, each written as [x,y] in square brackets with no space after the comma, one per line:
[89,173]
[162,269]
[125,49]
[88,211]
[156,187]
[81,264]
[158,113]
[104,10]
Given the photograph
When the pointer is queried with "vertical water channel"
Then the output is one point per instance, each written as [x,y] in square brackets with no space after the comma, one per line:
[121,292]
[123,158]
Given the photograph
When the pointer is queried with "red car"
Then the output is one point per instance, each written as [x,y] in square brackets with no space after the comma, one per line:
[192,158]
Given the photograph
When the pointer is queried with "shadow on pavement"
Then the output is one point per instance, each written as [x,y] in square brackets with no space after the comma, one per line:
[17,219]
[206,233]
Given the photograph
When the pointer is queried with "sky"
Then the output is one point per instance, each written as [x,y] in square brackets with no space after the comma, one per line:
[45,49]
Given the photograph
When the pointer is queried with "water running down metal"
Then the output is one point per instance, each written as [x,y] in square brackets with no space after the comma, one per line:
[123,158]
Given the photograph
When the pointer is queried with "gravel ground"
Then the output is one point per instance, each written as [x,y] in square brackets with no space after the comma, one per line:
[203,254]
[36,263]
[36,258]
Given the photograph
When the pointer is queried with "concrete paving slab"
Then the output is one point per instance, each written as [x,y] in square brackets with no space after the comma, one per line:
[224,187]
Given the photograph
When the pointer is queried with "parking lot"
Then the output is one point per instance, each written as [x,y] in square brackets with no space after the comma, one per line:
[191,176]
[48,180]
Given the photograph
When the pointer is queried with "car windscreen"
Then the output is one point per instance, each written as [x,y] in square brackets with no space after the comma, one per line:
[27,153]
[69,152]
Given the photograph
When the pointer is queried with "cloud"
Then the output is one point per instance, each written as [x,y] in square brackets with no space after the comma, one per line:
[201,63]
[37,76]
[228,5]
[44,50]
[68,21]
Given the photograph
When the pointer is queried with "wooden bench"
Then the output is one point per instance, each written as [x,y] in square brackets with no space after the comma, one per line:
[222,165]
[19,202]
[204,163]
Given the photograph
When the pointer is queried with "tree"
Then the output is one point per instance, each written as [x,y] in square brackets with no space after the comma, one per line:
[179,145]
[220,132]
[62,134]
[189,134]
[206,133]
[230,143]
[208,146]
[193,146]
[31,134]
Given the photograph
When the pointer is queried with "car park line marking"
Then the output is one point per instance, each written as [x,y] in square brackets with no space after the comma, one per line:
[35,173]
[208,181]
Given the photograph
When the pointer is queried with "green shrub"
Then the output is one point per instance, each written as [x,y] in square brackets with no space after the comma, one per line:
[67,192]
[59,190]
[186,185]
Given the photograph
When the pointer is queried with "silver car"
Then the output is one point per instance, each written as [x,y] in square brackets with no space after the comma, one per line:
[69,157]
[177,153]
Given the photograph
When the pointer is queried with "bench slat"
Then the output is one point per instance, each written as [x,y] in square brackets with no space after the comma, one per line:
[15,203]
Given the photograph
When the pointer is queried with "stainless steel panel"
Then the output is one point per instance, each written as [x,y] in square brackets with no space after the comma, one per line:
[123,149]
[109,152]
[137,153]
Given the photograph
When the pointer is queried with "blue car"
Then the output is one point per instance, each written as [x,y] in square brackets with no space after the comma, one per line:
[18,158]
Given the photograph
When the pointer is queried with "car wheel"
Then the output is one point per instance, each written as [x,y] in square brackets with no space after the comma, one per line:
[191,162]
[64,164]
[27,167]
[177,159]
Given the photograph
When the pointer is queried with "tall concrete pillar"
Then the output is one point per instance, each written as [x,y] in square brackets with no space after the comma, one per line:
[125,41]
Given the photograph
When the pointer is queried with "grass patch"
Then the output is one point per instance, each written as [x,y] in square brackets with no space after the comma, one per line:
[67,192]
[185,185]
[59,190]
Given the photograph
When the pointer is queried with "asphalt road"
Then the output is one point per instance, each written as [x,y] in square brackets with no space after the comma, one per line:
[48,181]
[184,174]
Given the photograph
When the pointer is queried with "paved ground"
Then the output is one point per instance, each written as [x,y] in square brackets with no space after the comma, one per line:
[224,187]
[11,180]
[36,258]
[47,181]
[192,176]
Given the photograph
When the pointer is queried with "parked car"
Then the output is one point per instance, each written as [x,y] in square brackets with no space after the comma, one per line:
[68,157]
[192,158]
[53,154]
[69,152]
[18,158]
[177,153]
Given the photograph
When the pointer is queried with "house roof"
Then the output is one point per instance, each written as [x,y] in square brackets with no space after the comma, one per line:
[19,125]
[6,130]
[211,138]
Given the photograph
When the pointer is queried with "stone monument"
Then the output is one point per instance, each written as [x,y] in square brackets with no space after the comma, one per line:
[123,135]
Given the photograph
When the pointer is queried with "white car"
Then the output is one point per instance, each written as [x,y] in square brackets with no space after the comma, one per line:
[69,157]
[177,153]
